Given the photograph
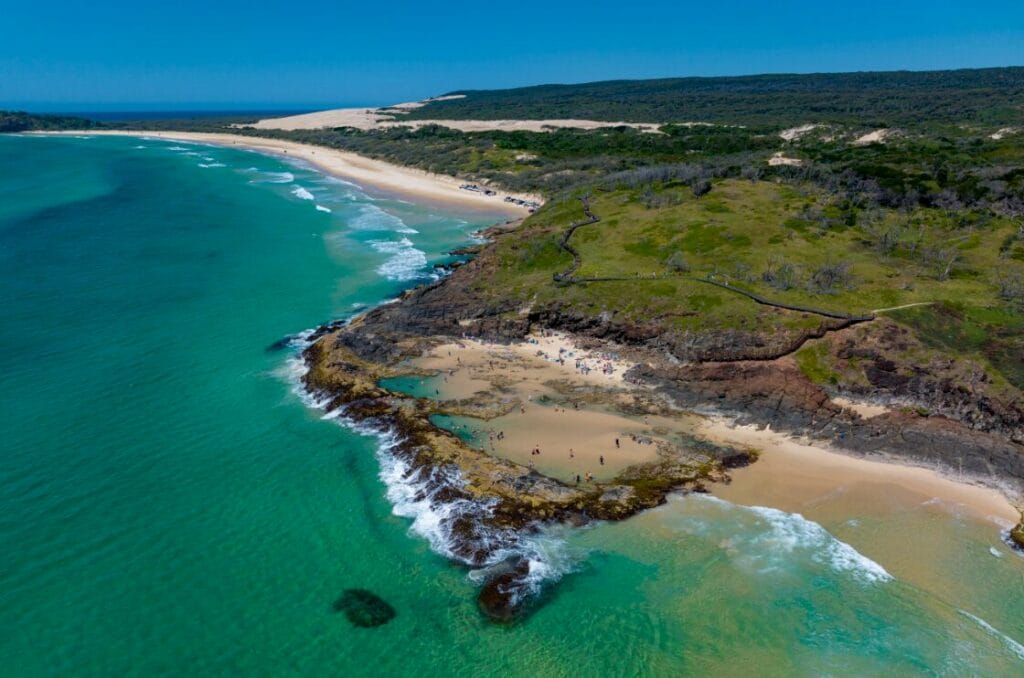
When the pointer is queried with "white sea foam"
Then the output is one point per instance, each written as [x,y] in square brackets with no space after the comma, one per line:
[414,494]
[300,192]
[321,208]
[140,146]
[1010,643]
[994,551]
[273,177]
[211,164]
[335,180]
[790,532]
[1008,540]
[177,148]
[776,540]
[405,263]
[373,218]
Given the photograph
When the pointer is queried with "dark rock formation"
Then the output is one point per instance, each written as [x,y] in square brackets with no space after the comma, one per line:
[501,597]
[280,344]
[778,394]
[1017,536]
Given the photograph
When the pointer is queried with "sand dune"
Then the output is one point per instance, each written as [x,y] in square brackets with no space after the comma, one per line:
[794,133]
[879,136]
[780,159]
[391,116]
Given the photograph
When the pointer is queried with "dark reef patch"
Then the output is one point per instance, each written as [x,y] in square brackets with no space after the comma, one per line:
[364,608]
[281,344]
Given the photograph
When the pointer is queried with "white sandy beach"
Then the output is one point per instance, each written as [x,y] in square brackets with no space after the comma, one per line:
[366,172]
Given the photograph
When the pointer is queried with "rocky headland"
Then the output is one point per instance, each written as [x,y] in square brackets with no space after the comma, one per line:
[930,419]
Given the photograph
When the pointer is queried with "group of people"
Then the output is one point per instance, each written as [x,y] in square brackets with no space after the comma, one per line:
[605,362]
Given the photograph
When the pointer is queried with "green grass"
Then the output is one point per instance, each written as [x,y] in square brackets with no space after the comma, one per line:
[813,360]
[994,336]
[744,229]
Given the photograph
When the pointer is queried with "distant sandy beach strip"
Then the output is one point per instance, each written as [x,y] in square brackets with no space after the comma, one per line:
[366,172]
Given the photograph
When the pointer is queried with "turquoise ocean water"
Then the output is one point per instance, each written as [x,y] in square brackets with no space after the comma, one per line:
[170,506]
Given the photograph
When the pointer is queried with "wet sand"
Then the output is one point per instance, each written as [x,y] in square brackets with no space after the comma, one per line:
[537,378]
[795,476]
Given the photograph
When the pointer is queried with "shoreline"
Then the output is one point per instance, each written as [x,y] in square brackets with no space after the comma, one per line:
[368,173]
[800,468]
[793,473]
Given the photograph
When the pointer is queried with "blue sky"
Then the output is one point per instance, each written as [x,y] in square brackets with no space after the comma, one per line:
[61,55]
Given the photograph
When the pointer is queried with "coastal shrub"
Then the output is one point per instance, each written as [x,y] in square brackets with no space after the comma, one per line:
[831,277]
[700,187]
[676,263]
[780,274]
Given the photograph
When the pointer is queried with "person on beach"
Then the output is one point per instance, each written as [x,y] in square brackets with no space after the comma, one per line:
[601,459]
[616,443]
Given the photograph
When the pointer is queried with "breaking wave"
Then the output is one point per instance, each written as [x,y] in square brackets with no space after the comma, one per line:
[790,532]
[1010,643]
[272,177]
[211,164]
[373,218]
[405,263]
[775,540]
[321,208]
[1005,534]
[300,192]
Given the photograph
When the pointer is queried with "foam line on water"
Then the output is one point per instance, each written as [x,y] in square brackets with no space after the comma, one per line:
[373,218]
[780,536]
[271,177]
[1010,643]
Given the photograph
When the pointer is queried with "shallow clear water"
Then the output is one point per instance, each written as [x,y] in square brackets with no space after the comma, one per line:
[168,505]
